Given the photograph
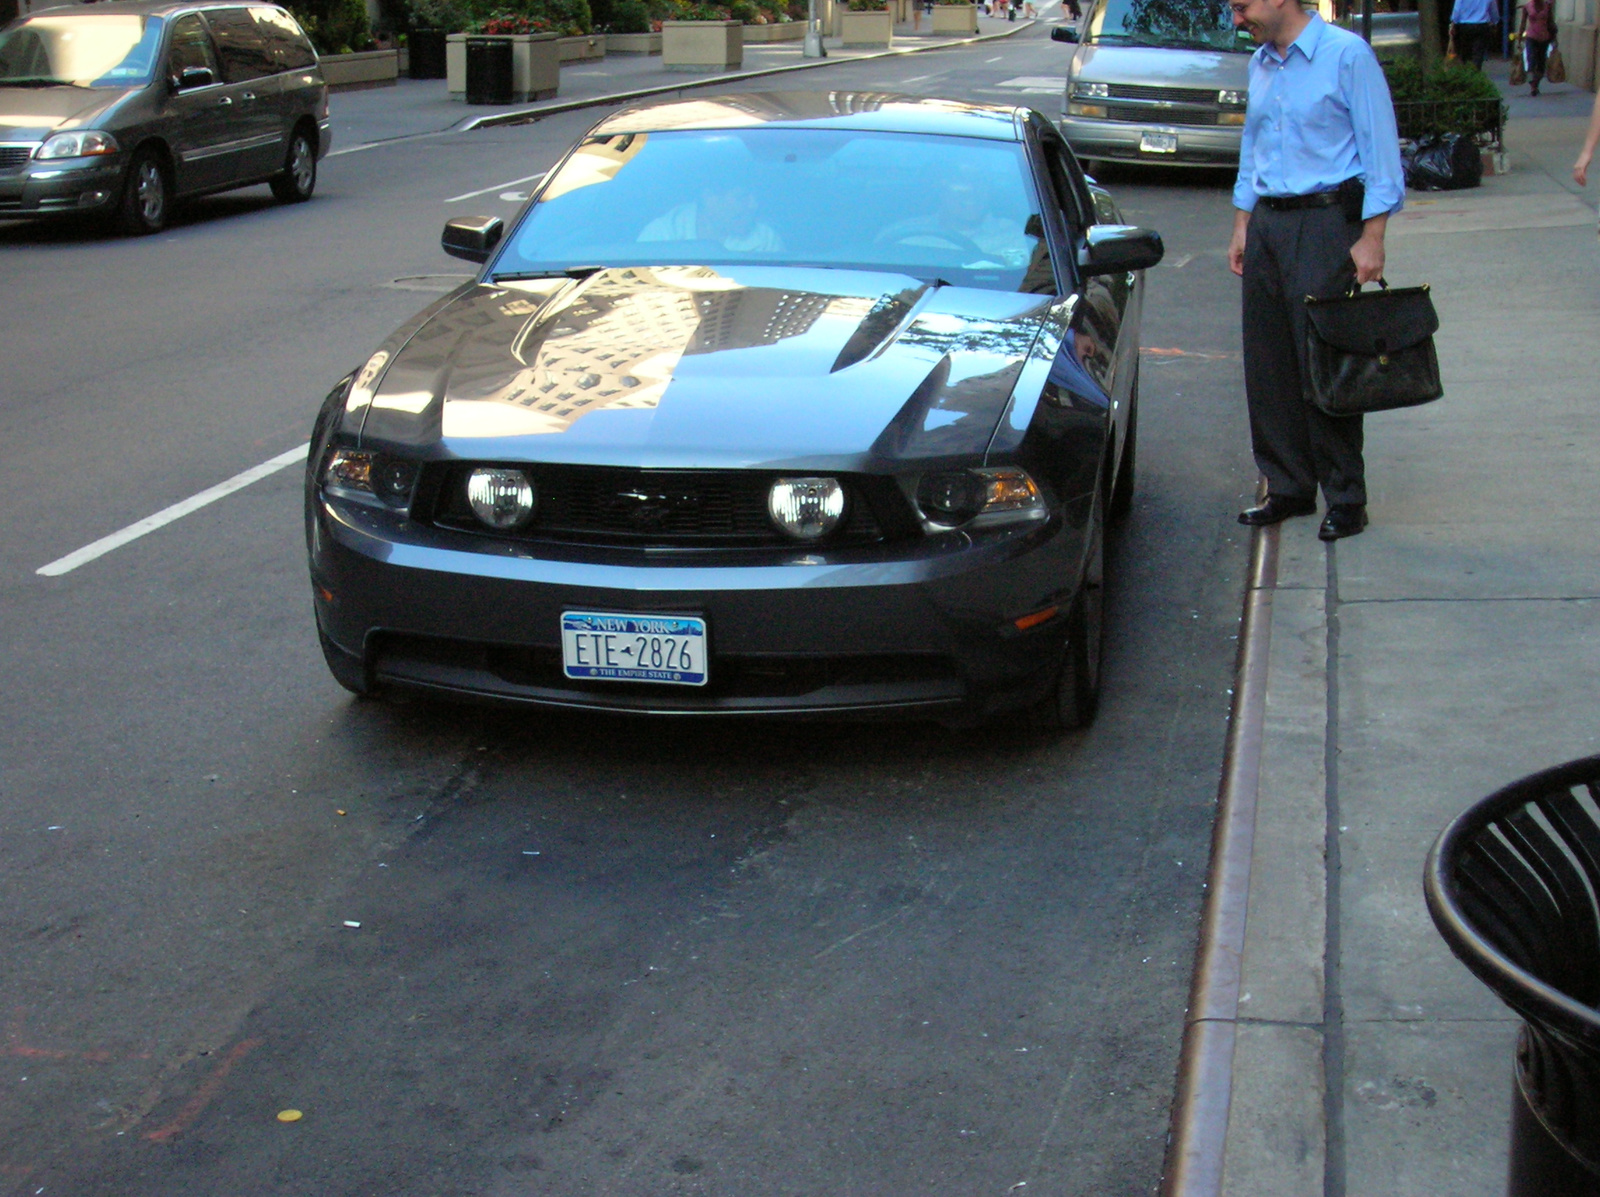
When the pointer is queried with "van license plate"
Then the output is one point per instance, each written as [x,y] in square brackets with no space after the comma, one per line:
[1158,143]
[618,647]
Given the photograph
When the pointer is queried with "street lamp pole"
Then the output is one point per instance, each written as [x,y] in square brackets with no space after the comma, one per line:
[813,47]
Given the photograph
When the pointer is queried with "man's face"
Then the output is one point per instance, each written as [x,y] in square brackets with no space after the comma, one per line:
[1259,17]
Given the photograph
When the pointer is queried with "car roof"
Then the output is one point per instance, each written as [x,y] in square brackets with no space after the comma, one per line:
[863,110]
[146,8]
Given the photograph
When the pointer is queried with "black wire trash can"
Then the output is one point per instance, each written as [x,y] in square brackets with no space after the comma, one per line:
[489,71]
[1513,885]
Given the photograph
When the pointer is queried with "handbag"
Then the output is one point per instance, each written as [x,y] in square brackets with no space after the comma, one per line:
[1519,66]
[1372,350]
[1555,70]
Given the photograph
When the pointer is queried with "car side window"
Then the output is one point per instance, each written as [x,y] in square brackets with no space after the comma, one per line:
[291,50]
[244,53]
[190,47]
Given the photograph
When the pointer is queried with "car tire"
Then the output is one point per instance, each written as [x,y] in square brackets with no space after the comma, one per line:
[1122,493]
[298,178]
[146,200]
[1075,696]
[348,670]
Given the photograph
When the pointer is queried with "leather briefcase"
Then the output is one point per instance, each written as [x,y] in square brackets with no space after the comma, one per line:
[1372,350]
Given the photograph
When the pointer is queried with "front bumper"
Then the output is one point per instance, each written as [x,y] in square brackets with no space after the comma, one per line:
[1118,141]
[66,187]
[925,627]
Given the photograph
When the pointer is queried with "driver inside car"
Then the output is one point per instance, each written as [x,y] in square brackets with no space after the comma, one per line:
[967,216]
[726,215]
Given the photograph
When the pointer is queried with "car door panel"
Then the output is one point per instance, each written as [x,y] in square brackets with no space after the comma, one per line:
[197,119]
[256,148]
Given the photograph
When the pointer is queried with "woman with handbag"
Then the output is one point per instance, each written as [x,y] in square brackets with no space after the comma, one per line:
[1537,32]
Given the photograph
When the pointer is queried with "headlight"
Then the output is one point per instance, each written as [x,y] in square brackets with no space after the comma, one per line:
[998,495]
[806,508]
[1094,110]
[1091,91]
[84,143]
[369,477]
[503,499]
[1228,96]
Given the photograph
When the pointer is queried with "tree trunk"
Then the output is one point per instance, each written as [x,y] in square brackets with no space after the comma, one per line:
[1428,29]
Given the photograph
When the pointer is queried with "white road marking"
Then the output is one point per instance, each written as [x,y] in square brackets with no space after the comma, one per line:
[916,79]
[168,514]
[514,197]
[996,58]
[456,199]
[1048,83]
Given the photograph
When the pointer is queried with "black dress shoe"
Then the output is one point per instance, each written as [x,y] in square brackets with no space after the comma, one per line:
[1275,509]
[1343,519]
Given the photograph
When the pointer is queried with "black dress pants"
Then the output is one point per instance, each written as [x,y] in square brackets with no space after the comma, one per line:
[1287,256]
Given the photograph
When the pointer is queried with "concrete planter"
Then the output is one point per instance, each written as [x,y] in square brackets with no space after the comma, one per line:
[777,31]
[535,65]
[955,18]
[350,72]
[702,45]
[866,30]
[633,43]
[582,48]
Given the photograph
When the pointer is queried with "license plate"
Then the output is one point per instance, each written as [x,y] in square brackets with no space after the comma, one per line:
[598,645]
[1158,143]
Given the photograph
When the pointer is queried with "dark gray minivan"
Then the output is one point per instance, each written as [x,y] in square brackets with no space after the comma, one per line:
[120,108]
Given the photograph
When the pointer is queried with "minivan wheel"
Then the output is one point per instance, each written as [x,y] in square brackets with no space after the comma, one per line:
[299,177]
[146,196]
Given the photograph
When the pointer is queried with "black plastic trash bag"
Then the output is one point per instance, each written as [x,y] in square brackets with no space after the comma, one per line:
[1443,162]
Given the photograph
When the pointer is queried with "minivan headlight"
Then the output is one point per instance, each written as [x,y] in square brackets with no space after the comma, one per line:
[1091,91]
[83,143]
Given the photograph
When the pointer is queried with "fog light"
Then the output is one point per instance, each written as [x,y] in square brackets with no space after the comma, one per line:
[806,508]
[503,499]
[1230,118]
[1094,110]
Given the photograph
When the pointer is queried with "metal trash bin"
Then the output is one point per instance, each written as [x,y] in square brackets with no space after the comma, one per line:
[427,47]
[489,72]
[1513,885]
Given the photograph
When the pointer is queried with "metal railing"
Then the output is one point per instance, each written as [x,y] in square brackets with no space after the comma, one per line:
[1483,119]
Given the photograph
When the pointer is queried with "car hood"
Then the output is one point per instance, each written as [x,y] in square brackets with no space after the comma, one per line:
[33,113]
[1154,66]
[695,366]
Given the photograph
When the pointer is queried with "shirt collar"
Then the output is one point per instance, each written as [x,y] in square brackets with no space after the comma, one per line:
[1308,41]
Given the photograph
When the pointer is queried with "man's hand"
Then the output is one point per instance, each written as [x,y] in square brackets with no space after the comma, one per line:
[1241,222]
[1367,252]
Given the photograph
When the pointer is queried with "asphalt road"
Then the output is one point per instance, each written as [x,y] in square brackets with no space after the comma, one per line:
[594,955]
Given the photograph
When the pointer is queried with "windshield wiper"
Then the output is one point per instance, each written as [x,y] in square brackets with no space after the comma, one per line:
[523,276]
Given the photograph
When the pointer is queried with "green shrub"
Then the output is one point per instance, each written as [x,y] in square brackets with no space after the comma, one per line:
[867,5]
[1454,97]
[449,15]
[742,11]
[629,16]
[335,26]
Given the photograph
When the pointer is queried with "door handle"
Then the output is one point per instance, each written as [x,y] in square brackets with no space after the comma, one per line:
[249,95]
[225,102]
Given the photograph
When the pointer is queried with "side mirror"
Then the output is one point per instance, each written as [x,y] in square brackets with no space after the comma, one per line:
[1115,248]
[191,77]
[472,237]
[1064,33]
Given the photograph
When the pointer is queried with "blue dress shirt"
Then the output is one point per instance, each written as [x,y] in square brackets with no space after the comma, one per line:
[1319,115]
[1475,12]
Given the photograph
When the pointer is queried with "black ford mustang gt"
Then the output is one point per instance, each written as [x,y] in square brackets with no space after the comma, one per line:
[795,403]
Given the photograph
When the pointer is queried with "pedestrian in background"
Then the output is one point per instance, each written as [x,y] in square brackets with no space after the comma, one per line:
[1319,177]
[1580,168]
[1538,31]
[1474,24]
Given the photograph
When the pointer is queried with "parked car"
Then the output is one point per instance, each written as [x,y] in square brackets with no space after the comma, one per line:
[1160,84]
[119,109]
[784,404]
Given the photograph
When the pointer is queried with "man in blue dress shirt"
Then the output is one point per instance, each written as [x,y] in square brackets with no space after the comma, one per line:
[1477,26]
[1319,177]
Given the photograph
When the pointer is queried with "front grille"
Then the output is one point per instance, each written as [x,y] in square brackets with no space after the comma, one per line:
[15,157]
[1175,95]
[665,508]
[1161,116]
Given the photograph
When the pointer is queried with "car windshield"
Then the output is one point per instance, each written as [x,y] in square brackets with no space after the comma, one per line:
[80,49]
[957,209]
[1184,24]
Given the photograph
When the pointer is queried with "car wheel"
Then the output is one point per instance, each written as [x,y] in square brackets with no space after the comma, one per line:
[349,671]
[1122,494]
[299,177]
[146,196]
[1075,698]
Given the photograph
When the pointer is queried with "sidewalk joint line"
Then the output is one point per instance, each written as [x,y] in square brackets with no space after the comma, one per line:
[1333,1157]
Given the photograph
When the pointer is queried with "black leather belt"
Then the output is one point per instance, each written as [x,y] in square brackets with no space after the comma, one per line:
[1293,203]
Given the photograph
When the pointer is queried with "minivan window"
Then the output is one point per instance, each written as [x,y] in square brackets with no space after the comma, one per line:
[1185,24]
[80,49]
[191,47]
[243,50]
[290,47]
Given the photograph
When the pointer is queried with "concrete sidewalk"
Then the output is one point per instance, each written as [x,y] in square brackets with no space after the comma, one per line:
[1411,670]
[420,107]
